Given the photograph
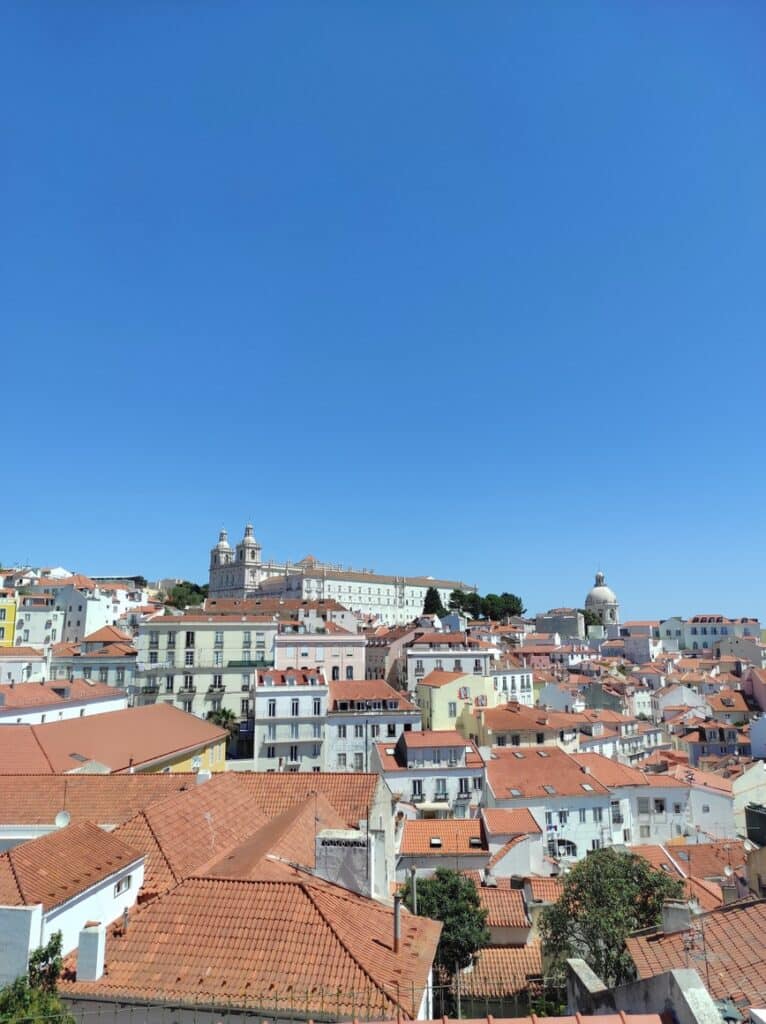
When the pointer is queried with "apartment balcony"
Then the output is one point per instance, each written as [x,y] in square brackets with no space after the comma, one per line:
[462,797]
[214,691]
[441,798]
[417,798]
[249,664]
[188,691]
[150,688]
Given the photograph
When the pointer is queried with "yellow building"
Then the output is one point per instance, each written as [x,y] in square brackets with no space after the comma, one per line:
[444,697]
[7,618]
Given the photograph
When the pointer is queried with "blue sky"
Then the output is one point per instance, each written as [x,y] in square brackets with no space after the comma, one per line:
[462,289]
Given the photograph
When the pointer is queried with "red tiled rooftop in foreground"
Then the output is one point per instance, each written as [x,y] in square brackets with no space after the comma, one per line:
[57,692]
[454,835]
[351,793]
[117,739]
[263,944]
[511,821]
[501,971]
[54,868]
[106,800]
[733,948]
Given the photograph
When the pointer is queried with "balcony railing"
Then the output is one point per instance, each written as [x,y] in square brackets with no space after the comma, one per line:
[417,798]
[150,688]
[441,798]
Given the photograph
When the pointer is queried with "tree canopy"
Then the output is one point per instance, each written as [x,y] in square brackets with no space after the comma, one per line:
[184,594]
[491,606]
[225,718]
[452,898]
[606,896]
[433,603]
[34,996]
[591,618]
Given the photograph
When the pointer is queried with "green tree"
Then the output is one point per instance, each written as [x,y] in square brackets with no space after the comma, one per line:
[34,995]
[452,898]
[433,603]
[225,718]
[606,896]
[591,619]
[472,606]
[184,594]
[456,601]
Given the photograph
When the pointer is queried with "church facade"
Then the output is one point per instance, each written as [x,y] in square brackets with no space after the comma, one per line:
[241,572]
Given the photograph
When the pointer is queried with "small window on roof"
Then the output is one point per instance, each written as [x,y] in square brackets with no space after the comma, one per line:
[474,841]
[543,753]
[517,753]
[587,787]
[435,841]
[390,750]
[515,792]
[550,790]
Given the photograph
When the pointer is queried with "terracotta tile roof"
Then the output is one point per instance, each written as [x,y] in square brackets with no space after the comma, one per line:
[500,971]
[545,890]
[70,691]
[260,944]
[107,800]
[733,949]
[185,831]
[438,678]
[504,850]
[454,835]
[504,905]
[351,794]
[709,860]
[20,652]
[514,716]
[139,735]
[54,868]
[523,773]
[290,839]
[434,738]
[107,635]
[364,690]
[610,773]
[514,821]
[279,677]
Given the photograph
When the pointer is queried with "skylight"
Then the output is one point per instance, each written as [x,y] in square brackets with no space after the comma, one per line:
[587,787]
[550,790]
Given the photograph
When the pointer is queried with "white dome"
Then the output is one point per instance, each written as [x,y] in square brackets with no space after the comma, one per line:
[600,595]
[223,542]
[249,540]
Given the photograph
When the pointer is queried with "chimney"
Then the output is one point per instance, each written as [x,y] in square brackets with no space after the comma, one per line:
[676,917]
[397,921]
[586,769]
[125,918]
[90,952]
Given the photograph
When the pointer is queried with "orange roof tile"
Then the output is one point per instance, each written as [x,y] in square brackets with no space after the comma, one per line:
[364,690]
[54,868]
[454,836]
[181,833]
[523,773]
[116,739]
[438,678]
[104,799]
[13,653]
[733,949]
[255,943]
[545,890]
[107,635]
[501,971]
[509,821]
[350,793]
[58,692]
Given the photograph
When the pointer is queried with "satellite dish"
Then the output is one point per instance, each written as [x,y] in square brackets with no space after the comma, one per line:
[62,819]
[728,871]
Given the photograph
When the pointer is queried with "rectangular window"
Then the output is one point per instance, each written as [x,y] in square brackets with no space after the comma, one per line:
[189,658]
[294,707]
[122,886]
[153,657]
[452,709]
[358,762]
[643,805]
[293,730]
[188,682]
[441,787]
[341,760]
[549,818]
[244,706]
[169,684]
[271,752]
[391,729]
[218,682]
[219,638]
[358,731]
[598,815]
[317,706]
[465,786]
[659,806]
[120,675]
[294,754]
[190,639]
[217,659]
[374,731]
[417,787]
[272,708]
[643,831]
[583,814]
[341,732]
[563,817]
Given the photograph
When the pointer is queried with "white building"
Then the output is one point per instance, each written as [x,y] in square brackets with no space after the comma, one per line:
[242,573]
[37,703]
[361,713]
[39,622]
[705,632]
[339,653]
[22,664]
[205,663]
[290,712]
[435,774]
[108,656]
[97,877]
[448,652]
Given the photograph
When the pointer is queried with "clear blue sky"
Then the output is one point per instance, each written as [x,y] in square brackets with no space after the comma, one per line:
[467,289]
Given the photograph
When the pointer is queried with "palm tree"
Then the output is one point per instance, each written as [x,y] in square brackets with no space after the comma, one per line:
[226,719]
